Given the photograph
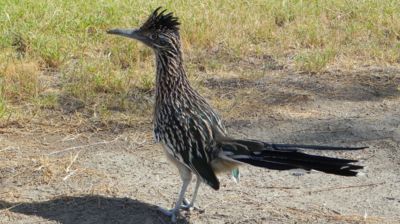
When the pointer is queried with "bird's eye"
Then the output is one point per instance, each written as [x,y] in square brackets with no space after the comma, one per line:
[153,36]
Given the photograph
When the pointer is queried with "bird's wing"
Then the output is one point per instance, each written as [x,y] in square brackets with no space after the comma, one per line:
[197,154]
[189,135]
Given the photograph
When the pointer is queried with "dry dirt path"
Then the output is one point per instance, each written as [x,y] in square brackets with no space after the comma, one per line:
[69,177]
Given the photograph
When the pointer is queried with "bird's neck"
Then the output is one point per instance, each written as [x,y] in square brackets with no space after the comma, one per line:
[171,79]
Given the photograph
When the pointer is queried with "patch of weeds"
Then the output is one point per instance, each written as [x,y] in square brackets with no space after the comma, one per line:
[213,64]
[103,112]
[147,82]
[315,61]
[49,50]
[20,45]
[311,35]
[3,108]
[124,54]
[283,16]
[20,80]
[85,80]
[48,101]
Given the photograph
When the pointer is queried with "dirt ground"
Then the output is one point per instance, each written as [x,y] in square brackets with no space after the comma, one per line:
[51,173]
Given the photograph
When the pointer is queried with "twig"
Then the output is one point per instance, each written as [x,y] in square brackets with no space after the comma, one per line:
[83,146]
[67,170]
[9,148]
[72,161]
[9,208]
[70,137]
[281,187]
[69,175]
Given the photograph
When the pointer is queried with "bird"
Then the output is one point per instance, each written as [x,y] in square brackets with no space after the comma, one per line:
[192,133]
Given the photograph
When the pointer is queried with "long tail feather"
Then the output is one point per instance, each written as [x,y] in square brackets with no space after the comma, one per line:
[314,147]
[288,156]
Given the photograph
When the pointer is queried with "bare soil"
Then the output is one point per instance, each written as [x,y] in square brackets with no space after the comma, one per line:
[51,172]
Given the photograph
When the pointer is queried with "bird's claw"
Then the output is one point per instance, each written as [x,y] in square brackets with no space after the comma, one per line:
[173,213]
[191,208]
[186,205]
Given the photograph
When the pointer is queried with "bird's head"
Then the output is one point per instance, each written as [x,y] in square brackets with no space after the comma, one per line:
[160,31]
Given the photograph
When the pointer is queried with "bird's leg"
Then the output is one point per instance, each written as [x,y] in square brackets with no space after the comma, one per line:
[186,177]
[190,205]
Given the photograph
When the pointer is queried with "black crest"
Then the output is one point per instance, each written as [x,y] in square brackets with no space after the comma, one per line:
[160,21]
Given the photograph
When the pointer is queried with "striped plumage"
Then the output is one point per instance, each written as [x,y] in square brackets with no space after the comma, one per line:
[183,121]
[192,133]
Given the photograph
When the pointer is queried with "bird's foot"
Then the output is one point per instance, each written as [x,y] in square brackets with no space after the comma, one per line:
[173,213]
[188,206]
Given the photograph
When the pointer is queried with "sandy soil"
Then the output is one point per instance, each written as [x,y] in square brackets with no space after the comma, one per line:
[57,174]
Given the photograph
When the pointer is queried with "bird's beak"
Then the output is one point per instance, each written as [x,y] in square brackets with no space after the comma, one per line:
[131,33]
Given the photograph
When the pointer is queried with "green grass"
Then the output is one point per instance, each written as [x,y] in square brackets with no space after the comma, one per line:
[315,61]
[3,109]
[67,40]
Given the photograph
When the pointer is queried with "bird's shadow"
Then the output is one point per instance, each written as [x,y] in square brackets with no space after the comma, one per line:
[91,209]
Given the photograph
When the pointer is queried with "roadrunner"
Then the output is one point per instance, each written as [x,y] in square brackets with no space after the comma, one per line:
[192,133]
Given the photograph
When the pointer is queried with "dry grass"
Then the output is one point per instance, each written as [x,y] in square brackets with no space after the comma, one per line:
[56,49]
